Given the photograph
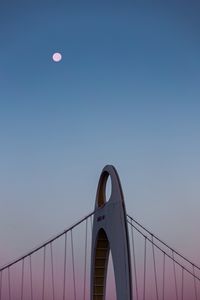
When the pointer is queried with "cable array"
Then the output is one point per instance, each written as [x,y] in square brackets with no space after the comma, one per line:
[60,268]
[180,271]
[35,275]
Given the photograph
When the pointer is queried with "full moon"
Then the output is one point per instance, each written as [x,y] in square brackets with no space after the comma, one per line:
[57,57]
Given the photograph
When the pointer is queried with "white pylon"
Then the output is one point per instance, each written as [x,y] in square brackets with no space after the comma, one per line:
[110,233]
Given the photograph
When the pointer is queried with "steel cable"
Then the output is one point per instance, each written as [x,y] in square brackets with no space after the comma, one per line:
[163,279]
[65,266]
[9,285]
[182,283]
[169,256]
[195,283]
[154,264]
[175,279]
[134,263]
[1,279]
[22,280]
[52,272]
[73,266]
[47,242]
[144,282]
[162,242]
[31,277]
[85,259]
[43,279]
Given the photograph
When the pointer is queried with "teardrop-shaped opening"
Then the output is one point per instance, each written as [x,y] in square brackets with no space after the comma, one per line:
[104,189]
[108,188]
[110,281]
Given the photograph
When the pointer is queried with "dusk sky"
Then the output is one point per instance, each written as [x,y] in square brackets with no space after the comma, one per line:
[126,92]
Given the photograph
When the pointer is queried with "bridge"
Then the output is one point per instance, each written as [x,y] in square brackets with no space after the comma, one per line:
[106,248]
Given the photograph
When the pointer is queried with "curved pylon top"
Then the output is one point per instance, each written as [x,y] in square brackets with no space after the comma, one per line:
[116,189]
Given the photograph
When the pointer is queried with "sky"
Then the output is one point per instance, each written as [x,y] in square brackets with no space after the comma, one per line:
[126,92]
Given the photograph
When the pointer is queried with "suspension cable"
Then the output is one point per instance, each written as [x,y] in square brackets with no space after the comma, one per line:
[43,279]
[164,243]
[72,248]
[1,279]
[85,261]
[163,279]
[195,283]
[65,266]
[175,280]
[173,259]
[47,242]
[134,262]
[9,284]
[31,276]
[52,271]
[146,238]
[22,280]
[145,254]
[154,264]
[182,283]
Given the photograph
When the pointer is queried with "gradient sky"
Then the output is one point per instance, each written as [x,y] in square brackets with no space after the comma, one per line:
[126,93]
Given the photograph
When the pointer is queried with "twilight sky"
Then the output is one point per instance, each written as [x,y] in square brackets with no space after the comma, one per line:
[126,93]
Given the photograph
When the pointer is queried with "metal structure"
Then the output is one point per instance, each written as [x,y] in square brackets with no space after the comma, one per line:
[73,265]
[110,233]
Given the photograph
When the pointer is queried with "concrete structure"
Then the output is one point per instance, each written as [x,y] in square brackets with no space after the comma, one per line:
[110,233]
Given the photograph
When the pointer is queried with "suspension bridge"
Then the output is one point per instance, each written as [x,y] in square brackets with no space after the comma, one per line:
[74,265]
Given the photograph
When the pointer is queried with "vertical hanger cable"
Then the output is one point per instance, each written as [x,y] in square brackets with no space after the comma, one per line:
[65,266]
[134,262]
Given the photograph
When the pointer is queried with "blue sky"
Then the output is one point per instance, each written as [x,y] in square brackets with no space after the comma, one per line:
[125,93]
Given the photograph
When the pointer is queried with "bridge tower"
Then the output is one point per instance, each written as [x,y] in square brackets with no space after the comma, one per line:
[110,233]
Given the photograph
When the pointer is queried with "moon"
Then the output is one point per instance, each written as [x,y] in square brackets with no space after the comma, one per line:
[57,56]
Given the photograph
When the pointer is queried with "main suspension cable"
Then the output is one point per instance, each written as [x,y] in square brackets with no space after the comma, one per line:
[164,243]
[47,242]
[177,262]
